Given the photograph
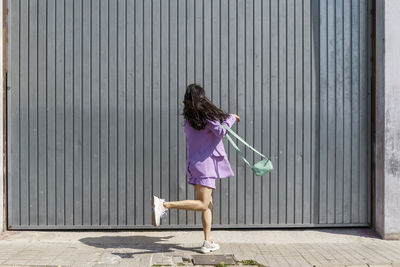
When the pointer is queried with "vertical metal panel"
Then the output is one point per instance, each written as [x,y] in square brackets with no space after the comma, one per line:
[258,112]
[23,116]
[156,98]
[273,112]
[355,65]
[315,106]
[147,114]
[32,118]
[96,90]
[113,91]
[14,159]
[42,114]
[195,73]
[165,103]
[248,115]
[323,116]
[240,109]
[77,107]
[347,163]
[130,115]
[299,111]
[307,145]
[86,115]
[138,103]
[60,112]
[339,76]
[181,82]
[290,102]
[265,106]
[174,97]
[69,114]
[215,85]
[186,71]
[50,110]
[223,184]
[233,93]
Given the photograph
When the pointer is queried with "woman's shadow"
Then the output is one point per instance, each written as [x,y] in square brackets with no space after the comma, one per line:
[145,244]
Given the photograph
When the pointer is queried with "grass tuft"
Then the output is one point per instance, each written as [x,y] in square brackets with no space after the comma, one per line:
[251,262]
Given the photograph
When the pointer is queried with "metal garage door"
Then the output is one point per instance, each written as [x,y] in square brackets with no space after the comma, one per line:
[95,92]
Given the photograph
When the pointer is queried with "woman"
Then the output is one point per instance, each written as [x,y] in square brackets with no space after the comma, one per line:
[207,159]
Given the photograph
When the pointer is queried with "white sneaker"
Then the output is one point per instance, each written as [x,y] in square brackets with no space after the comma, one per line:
[209,247]
[158,210]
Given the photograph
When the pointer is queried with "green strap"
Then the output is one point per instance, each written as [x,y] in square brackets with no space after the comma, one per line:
[241,140]
[237,149]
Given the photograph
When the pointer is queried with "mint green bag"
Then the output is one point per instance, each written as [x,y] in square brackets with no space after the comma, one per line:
[260,168]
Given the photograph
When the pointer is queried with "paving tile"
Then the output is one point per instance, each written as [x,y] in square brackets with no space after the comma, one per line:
[16,262]
[279,261]
[371,255]
[260,259]
[41,262]
[292,261]
[302,262]
[64,262]
[176,259]
[388,249]
[67,252]
[83,264]
[213,259]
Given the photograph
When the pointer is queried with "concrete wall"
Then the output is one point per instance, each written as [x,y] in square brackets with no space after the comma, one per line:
[387,155]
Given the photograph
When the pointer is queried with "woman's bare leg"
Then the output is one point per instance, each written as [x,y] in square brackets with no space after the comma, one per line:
[185,205]
[203,198]
[206,218]
[203,202]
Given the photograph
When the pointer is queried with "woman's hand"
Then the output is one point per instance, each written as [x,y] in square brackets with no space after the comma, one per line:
[236,116]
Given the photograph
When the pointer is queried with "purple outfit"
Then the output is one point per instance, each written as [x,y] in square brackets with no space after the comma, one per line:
[207,159]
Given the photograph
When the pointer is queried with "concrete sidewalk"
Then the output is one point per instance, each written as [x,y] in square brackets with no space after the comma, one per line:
[322,247]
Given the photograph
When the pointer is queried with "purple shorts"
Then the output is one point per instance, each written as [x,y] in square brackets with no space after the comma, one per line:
[209,182]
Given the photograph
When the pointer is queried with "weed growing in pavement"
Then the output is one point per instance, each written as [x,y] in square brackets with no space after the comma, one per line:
[251,262]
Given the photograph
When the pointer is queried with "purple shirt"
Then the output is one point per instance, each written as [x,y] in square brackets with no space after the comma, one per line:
[206,153]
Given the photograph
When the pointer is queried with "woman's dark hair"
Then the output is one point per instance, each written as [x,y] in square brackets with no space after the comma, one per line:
[198,108]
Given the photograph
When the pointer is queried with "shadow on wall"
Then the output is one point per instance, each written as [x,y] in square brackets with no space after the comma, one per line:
[138,242]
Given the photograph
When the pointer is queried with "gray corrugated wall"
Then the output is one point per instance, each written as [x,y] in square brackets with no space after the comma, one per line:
[95,96]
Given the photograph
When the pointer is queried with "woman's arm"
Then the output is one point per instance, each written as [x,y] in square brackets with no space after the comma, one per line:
[216,127]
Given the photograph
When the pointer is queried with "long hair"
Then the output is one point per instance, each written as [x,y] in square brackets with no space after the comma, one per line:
[198,108]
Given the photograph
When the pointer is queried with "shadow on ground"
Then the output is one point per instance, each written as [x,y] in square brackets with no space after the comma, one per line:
[146,244]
